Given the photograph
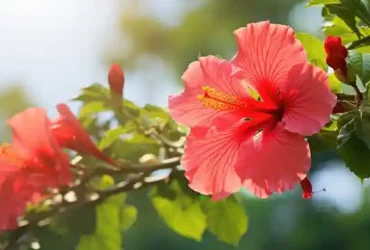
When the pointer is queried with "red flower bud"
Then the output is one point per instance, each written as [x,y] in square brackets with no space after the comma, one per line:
[116,80]
[336,54]
[307,188]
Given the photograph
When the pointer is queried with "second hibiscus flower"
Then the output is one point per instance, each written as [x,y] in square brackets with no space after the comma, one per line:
[248,116]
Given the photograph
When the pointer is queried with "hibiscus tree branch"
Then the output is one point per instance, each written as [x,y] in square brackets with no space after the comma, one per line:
[139,176]
[359,95]
[152,132]
[129,168]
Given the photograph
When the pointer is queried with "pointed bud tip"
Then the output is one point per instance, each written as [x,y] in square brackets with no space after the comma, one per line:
[116,68]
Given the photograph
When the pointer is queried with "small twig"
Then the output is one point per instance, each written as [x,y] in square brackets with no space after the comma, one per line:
[359,95]
[171,144]
[127,168]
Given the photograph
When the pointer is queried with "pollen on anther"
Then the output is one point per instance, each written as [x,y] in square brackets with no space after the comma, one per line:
[219,100]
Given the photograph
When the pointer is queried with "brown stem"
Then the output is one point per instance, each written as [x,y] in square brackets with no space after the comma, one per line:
[359,95]
[127,168]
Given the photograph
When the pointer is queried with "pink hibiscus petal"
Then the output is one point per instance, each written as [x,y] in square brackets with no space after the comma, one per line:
[308,100]
[223,80]
[69,133]
[266,52]
[30,132]
[38,147]
[208,161]
[210,156]
[273,161]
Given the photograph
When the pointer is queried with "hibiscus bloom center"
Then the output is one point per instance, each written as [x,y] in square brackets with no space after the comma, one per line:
[254,105]
[9,155]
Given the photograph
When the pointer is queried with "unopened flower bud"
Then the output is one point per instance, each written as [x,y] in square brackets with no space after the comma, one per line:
[116,80]
[336,59]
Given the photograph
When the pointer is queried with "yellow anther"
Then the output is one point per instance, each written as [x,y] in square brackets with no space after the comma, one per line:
[218,100]
[9,155]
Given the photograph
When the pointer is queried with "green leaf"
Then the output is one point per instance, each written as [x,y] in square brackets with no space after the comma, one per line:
[226,219]
[337,27]
[322,141]
[360,62]
[95,92]
[156,112]
[346,15]
[314,48]
[321,2]
[362,125]
[360,43]
[76,222]
[128,217]
[353,150]
[326,139]
[91,108]
[107,234]
[110,217]
[135,146]
[131,108]
[359,8]
[114,134]
[183,214]
[335,84]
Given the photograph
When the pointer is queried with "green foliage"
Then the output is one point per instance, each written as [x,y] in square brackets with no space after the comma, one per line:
[322,2]
[112,217]
[353,150]
[183,214]
[347,16]
[335,84]
[358,8]
[323,141]
[360,62]
[128,140]
[93,93]
[135,146]
[66,229]
[114,134]
[314,48]
[128,217]
[354,140]
[226,219]
[190,215]
[96,99]
[349,19]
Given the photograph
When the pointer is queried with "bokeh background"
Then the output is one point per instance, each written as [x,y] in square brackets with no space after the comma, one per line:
[50,49]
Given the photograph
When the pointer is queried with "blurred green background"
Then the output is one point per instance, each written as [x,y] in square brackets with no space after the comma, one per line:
[53,48]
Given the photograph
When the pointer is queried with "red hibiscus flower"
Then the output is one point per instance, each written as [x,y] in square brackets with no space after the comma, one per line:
[30,165]
[239,139]
[69,133]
